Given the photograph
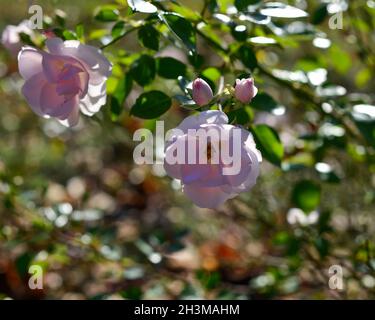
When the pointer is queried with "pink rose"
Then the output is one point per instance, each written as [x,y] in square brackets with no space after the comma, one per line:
[202,92]
[10,37]
[71,77]
[245,90]
[210,183]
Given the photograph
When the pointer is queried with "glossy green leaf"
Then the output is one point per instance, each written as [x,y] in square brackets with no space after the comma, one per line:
[170,68]
[268,142]
[364,118]
[281,10]
[107,14]
[263,101]
[118,29]
[148,36]
[320,14]
[242,5]
[69,35]
[151,105]
[142,6]
[143,70]
[242,116]
[247,57]
[183,29]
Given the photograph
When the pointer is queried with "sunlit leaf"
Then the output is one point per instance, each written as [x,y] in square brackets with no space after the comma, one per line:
[268,142]
[118,29]
[183,29]
[364,117]
[107,14]
[281,10]
[142,6]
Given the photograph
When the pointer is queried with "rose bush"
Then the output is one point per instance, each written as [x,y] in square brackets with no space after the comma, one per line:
[102,226]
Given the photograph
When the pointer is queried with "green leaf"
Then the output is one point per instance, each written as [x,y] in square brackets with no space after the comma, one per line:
[142,6]
[242,5]
[326,173]
[364,118]
[257,18]
[118,29]
[268,142]
[209,280]
[80,31]
[148,36]
[107,14]
[322,245]
[183,29]
[242,116]
[247,56]
[69,35]
[151,105]
[116,108]
[281,10]
[23,263]
[306,195]
[211,76]
[319,14]
[60,17]
[170,68]
[26,39]
[239,32]
[123,88]
[186,102]
[263,101]
[143,70]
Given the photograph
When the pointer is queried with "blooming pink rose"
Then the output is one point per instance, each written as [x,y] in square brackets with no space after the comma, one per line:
[202,92]
[208,185]
[245,90]
[71,77]
[10,37]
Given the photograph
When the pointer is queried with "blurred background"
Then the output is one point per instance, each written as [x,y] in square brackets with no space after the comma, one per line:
[73,202]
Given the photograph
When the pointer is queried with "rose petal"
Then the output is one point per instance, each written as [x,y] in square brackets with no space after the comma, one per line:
[207,117]
[96,63]
[32,91]
[73,117]
[29,62]
[206,197]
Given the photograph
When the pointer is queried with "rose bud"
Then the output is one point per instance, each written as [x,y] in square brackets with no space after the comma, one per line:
[245,90]
[202,92]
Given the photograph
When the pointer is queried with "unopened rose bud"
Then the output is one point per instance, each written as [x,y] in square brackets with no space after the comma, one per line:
[245,90]
[202,92]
